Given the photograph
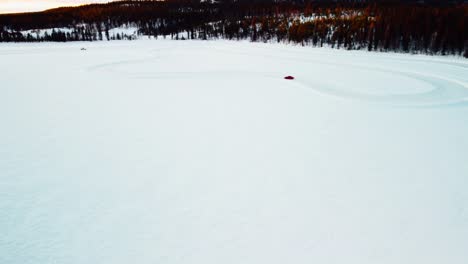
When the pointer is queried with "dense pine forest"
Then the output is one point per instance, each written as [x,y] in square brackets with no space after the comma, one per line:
[430,27]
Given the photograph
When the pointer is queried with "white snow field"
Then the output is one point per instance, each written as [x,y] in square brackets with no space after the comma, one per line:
[200,152]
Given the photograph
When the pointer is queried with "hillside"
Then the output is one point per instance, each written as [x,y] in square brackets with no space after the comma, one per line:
[431,27]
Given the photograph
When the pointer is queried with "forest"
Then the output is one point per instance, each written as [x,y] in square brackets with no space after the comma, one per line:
[429,27]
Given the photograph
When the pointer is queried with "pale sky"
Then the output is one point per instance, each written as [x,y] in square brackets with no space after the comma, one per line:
[11,6]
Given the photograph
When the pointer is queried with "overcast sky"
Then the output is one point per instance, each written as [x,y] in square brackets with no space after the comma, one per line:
[10,6]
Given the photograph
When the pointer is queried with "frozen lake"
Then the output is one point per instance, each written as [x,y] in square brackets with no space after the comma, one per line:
[200,152]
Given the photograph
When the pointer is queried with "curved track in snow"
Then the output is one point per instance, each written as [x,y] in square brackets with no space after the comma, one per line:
[437,90]
[423,89]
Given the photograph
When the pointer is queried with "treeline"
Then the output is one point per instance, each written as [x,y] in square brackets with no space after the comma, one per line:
[437,27]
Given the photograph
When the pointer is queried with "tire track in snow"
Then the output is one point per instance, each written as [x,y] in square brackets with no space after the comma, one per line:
[443,91]
[440,90]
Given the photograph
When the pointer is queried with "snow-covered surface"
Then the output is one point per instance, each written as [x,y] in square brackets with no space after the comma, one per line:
[42,32]
[200,152]
[126,30]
